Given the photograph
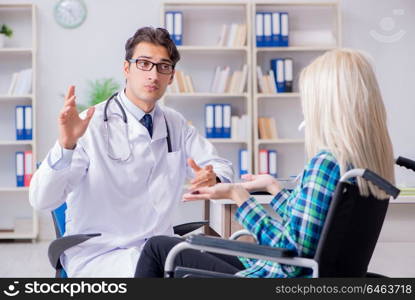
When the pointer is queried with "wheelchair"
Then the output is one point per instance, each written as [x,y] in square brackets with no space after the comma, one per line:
[345,247]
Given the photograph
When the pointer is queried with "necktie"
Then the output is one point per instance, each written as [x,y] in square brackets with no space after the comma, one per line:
[148,123]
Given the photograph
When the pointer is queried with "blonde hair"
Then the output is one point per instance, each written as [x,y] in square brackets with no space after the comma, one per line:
[344,114]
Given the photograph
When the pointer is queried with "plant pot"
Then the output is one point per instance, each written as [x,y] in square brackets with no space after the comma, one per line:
[2,40]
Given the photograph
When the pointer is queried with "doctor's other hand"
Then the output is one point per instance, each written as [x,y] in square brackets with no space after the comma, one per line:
[263,182]
[231,191]
[71,126]
[203,176]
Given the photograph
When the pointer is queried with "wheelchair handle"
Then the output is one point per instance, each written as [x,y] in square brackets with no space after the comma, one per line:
[406,162]
[381,183]
[374,178]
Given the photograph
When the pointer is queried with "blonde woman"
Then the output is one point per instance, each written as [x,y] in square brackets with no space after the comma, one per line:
[345,128]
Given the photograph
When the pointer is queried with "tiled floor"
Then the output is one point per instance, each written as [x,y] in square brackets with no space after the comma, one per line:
[25,259]
[30,260]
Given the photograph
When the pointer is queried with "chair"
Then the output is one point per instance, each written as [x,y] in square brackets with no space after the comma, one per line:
[62,243]
[352,220]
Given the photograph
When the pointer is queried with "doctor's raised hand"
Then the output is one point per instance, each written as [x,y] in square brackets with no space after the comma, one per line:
[71,126]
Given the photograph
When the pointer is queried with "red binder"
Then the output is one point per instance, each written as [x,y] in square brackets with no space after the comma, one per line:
[28,167]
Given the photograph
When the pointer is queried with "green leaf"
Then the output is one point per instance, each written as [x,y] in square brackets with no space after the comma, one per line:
[6,30]
[101,89]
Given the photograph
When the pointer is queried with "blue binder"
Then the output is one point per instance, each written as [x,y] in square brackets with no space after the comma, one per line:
[243,162]
[259,32]
[20,122]
[272,162]
[178,28]
[169,23]
[276,29]
[277,65]
[19,168]
[288,75]
[226,121]
[28,124]
[284,29]
[218,127]
[267,29]
[210,120]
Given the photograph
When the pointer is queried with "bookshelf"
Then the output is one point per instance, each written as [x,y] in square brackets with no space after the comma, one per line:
[285,108]
[200,53]
[19,53]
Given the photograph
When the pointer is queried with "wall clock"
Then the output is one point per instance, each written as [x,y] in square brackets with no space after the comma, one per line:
[70,13]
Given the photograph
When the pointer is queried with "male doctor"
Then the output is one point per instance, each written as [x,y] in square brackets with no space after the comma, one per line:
[121,166]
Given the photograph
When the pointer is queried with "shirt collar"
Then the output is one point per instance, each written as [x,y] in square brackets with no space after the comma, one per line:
[133,109]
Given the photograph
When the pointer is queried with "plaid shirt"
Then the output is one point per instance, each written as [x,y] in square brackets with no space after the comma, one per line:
[302,211]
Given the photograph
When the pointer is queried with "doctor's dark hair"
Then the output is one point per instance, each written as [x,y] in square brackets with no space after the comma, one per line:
[156,36]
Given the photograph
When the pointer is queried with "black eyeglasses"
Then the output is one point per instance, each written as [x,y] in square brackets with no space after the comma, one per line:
[146,65]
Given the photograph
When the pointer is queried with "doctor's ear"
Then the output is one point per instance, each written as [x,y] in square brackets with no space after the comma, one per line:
[171,77]
[126,67]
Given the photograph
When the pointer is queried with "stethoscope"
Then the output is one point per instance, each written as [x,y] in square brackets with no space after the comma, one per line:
[124,118]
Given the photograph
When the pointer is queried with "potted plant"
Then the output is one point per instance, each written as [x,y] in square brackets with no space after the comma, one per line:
[5,31]
[100,90]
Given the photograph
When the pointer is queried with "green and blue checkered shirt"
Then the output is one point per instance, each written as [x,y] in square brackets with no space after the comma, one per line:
[302,212]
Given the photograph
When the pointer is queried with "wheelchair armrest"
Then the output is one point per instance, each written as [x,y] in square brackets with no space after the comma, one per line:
[182,272]
[248,248]
[183,229]
[237,248]
[58,246]
[243,232]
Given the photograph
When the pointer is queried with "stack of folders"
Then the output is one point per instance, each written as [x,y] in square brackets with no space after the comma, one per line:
[279,78]
[182,83]
[267,128]
[24,122]
[271,29]
[233,35]
[24,168]
[224,82]
[174,25]
[268,162]
[219,124]
[21,83]
[218,121]
[243,162]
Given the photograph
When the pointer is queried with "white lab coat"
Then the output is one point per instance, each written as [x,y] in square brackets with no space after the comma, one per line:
[126,202]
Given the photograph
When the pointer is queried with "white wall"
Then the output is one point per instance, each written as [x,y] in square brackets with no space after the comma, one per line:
[394,62]
[96,50]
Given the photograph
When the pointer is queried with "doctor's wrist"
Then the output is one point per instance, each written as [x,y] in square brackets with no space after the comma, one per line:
[67,144]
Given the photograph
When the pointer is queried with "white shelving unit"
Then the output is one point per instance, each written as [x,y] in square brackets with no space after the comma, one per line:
[285,108]
[19,53]
[202,23]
